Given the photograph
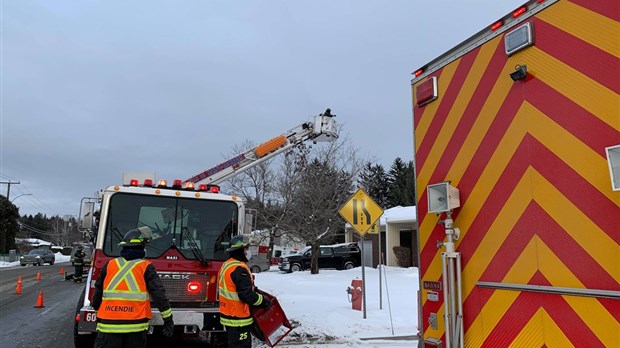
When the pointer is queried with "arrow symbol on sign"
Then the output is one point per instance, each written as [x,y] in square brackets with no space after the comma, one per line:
[364,210]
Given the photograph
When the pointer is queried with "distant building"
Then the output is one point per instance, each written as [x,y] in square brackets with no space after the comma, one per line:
[398,227]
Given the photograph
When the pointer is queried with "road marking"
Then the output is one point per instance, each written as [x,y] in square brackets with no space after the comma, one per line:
[52,307]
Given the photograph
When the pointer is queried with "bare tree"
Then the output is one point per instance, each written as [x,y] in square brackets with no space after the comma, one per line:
[324,183]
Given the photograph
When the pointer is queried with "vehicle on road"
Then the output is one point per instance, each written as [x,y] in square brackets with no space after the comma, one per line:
[339,256]
[37,257]
[192,224]
[259,262]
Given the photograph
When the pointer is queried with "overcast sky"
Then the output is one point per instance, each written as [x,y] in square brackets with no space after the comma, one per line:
[91,89]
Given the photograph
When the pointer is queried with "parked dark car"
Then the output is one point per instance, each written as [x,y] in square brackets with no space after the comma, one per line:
[338,256]
[37,257]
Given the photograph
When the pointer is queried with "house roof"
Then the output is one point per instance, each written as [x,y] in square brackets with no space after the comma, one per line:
[399,214]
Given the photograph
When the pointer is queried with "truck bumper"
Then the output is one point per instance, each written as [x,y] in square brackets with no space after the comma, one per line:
[206,319]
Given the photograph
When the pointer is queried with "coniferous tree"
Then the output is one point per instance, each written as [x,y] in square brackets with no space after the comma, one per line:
[402,183]
[375,181]
[9,214]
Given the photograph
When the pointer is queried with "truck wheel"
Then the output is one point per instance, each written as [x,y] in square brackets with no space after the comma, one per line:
[218,340]
[295,267]
[349,265]
[82,341]
[255,269]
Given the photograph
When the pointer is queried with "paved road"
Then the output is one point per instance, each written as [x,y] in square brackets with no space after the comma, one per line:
[22,325]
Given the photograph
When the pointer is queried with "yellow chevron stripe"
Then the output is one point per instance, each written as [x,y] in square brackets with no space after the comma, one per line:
[470,146]
[457,109]
[577,155]
[497,305]
[586,25]
[590,310]
[599,100]
[431,109]
[598,244]
[489,177]
[538,256]
[532,333]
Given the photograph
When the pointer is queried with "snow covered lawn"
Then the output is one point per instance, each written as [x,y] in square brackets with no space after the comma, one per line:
[319,308]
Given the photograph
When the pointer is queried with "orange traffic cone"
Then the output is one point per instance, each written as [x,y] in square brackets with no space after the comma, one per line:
[18,288]
[39,303]
[38,276]
[19,279]
[62,270]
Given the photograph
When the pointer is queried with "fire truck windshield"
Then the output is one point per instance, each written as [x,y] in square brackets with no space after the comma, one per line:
[188,224]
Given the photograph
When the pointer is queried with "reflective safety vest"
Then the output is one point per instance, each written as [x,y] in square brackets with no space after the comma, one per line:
[233,311]
[125,305]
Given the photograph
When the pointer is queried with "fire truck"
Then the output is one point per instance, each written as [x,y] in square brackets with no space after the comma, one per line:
[517,153]
[192,224]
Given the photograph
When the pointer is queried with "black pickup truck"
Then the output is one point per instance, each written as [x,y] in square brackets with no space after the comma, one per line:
[338,256]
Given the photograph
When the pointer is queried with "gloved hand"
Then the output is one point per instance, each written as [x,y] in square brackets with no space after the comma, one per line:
[168,328]
[266,303]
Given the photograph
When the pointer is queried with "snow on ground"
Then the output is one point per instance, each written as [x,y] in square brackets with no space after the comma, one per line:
[59,258]
[319,308]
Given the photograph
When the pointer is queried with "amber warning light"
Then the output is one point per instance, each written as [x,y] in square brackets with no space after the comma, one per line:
[426,91]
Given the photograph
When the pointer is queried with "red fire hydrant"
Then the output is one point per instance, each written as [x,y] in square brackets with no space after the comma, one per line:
[355,293]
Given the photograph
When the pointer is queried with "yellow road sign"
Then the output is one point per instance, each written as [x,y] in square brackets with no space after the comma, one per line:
[361,211]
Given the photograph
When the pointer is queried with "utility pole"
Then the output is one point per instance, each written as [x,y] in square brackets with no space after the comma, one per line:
[8,187]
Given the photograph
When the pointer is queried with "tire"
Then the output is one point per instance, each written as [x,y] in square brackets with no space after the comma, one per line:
[82,341]
[295,267]
[348,265]
[255,269]
[218,340]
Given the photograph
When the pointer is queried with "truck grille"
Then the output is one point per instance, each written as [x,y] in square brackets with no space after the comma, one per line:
[176,285]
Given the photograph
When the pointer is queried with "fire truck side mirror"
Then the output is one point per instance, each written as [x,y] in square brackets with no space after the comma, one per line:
[87,215]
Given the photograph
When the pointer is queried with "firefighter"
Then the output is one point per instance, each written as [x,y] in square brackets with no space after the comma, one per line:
[78,263]
[121,295]
[237,294]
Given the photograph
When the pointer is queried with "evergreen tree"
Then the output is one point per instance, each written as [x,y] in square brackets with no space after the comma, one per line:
[9,214]
[375,181]
[402,183]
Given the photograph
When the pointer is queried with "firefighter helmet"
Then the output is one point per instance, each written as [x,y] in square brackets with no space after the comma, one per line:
[238,242]
[136,237]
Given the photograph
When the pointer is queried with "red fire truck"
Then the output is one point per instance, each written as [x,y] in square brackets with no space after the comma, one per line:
[192,224]
[517,152]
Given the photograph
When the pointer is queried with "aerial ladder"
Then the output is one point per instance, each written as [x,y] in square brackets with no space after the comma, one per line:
[322,129]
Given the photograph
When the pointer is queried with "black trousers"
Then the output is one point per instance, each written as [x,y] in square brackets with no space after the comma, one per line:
[239,337]
[121,340]
[77,275]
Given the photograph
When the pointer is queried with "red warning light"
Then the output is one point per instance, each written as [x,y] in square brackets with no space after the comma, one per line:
[418,72]
[193,287]
[496,25]
[148,182]
[133,182]
[521,10]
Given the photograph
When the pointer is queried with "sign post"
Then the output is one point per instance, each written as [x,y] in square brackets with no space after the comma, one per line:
[361,212]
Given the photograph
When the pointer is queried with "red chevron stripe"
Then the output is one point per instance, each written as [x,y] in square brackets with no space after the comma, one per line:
[535,221]
[578,54]
[418,112]
[588,128]
[582,194]
[524,307]
[606,8]
[446,105]
[477,165]
[480,95]
[613,306]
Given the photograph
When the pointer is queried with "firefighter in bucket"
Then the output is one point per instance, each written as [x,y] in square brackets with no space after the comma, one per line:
[237,294]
